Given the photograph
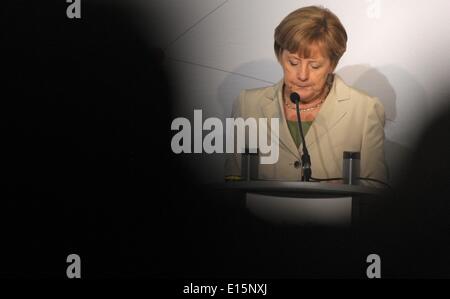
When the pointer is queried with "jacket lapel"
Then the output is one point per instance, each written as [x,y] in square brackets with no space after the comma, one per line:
[275,110]
[333,110]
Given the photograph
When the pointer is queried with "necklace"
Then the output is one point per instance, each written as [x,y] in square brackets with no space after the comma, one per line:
[305,109]
[328,87]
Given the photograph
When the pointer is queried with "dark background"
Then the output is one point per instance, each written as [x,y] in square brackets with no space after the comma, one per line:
[87,168]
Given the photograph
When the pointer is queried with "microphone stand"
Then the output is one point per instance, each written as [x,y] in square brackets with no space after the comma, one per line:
[306,159]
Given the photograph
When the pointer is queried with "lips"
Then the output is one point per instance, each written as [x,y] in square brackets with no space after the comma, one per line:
[300,86]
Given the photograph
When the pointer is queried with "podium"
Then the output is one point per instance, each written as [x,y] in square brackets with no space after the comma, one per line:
[305,203]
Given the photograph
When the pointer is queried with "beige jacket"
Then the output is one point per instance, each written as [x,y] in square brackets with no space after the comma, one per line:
[349,120]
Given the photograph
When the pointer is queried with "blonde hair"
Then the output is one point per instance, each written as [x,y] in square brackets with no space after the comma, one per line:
[311,25]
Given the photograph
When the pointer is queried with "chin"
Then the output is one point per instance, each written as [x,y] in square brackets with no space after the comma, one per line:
[305,97]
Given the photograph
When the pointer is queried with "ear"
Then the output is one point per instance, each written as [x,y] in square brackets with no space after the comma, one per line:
[330,78]
[333,66]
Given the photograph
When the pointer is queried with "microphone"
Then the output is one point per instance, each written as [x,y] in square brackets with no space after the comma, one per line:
[306,159]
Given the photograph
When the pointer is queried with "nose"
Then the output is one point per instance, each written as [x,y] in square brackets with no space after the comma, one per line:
[303,72]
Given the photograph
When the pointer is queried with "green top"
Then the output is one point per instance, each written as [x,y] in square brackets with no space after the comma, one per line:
[295,132]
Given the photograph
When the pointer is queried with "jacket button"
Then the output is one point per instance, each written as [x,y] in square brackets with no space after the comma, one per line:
[297,164]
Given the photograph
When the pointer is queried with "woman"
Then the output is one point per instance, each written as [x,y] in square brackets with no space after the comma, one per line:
[335,117]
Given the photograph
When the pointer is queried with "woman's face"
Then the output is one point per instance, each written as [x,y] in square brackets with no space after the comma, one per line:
[306,76]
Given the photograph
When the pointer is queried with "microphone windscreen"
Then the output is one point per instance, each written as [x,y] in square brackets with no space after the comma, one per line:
[295,98]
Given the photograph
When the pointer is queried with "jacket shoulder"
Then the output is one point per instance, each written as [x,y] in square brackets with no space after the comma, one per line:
[364,104]
[251,101]
[357,95]
[362,96]
[258,95]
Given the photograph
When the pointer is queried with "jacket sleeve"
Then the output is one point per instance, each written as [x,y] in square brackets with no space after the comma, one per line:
[233,160]
[373,164]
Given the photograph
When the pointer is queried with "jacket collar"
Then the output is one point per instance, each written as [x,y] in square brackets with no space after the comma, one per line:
[333,110]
